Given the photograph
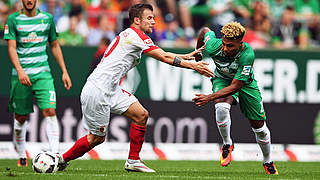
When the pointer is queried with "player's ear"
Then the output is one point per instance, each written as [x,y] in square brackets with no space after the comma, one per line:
[136,20]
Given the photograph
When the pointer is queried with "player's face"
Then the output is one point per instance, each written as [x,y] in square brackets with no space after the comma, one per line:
[29,5]
[231,47]
[147,21]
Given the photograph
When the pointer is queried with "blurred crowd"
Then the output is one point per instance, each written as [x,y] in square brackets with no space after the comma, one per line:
[269,23]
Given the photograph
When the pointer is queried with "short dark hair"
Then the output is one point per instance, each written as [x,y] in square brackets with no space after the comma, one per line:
[137,10]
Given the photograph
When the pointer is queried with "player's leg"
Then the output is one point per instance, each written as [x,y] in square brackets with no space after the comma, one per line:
[223,120]
[20,102]
[52,128]
[139,116]
[45,95]
[127,104]
[96,114]
[252,107]
[19,138]
[263,138]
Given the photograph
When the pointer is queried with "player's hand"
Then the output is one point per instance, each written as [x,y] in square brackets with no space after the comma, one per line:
[24,78]
[195,55]
[66,80]
[202,68]
[201,99]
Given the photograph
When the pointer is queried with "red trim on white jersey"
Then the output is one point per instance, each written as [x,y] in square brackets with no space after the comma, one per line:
[146,39]
[113,47]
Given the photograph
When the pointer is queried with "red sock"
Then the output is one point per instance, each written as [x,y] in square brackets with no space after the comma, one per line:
[136,140]
[78,149]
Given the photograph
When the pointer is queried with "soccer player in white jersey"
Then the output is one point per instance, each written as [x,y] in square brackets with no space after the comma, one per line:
[28,31]
[102,95]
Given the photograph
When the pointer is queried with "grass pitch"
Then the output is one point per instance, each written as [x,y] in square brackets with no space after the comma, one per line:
[107,169]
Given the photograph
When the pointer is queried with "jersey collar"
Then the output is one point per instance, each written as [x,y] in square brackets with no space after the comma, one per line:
[38,11]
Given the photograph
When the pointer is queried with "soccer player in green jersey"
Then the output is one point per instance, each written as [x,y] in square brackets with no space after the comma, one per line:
[27,33]
[234,80]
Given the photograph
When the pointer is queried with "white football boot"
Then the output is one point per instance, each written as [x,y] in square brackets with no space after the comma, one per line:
[137,166]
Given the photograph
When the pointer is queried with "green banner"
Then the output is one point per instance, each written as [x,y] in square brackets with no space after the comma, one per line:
[290,76]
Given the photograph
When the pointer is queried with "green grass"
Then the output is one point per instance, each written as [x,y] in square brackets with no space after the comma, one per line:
[104,169]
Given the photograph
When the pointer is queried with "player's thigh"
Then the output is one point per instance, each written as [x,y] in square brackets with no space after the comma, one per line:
[20,101]
[251,103]
[127,104]
[44,93]
[217,85]
[95,107]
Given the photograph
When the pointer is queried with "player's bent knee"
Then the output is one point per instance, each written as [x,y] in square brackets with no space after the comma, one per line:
[222,111]
[21,118]
[142,118]
[95,140]
[49,112]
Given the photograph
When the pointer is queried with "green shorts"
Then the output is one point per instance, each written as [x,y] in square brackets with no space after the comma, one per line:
[20,101]
[249,97]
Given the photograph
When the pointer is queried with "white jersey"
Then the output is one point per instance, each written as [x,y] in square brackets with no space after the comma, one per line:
[122,55]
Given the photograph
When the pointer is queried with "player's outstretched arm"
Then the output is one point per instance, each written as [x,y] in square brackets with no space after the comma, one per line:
[200,44]
[57,53]
[170,58]
[22,75]
[234,87]
[189,56]
[200,38]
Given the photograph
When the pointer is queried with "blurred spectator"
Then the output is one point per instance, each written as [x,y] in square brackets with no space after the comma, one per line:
[4,12]
[71,37]
[72,4]
[221,12]
[260,21]
[254,39]
[82,27]
[17,5]
[109,8]
[104,30]
[52,7]
[174,35]
[244,8]
[308,12]
[289,33]
[277,8]
[185,15]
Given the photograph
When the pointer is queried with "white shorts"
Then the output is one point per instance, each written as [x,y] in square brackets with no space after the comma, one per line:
[96,107]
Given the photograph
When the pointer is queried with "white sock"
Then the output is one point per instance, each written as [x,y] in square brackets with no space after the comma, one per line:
[263,138]
[53,133]
[19,137]
[223,121]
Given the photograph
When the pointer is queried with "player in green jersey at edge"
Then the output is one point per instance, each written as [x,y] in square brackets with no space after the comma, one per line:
[27,32]
[234,79]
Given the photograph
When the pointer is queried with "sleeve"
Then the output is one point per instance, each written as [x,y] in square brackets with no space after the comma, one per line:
[53,35]
[245,70]
[10,29]
[145,43]
[212,44]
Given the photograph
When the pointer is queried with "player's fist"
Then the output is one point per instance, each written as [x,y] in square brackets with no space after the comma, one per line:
[198,56]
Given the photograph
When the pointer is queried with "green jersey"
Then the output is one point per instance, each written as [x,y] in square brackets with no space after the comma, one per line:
[228,68]
[31,35]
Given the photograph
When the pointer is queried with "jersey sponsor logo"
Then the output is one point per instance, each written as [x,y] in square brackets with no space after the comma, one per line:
[102,129]
[148,41]
[246,70]
[6,29]
[207,39]
[32,37]
[125,34]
